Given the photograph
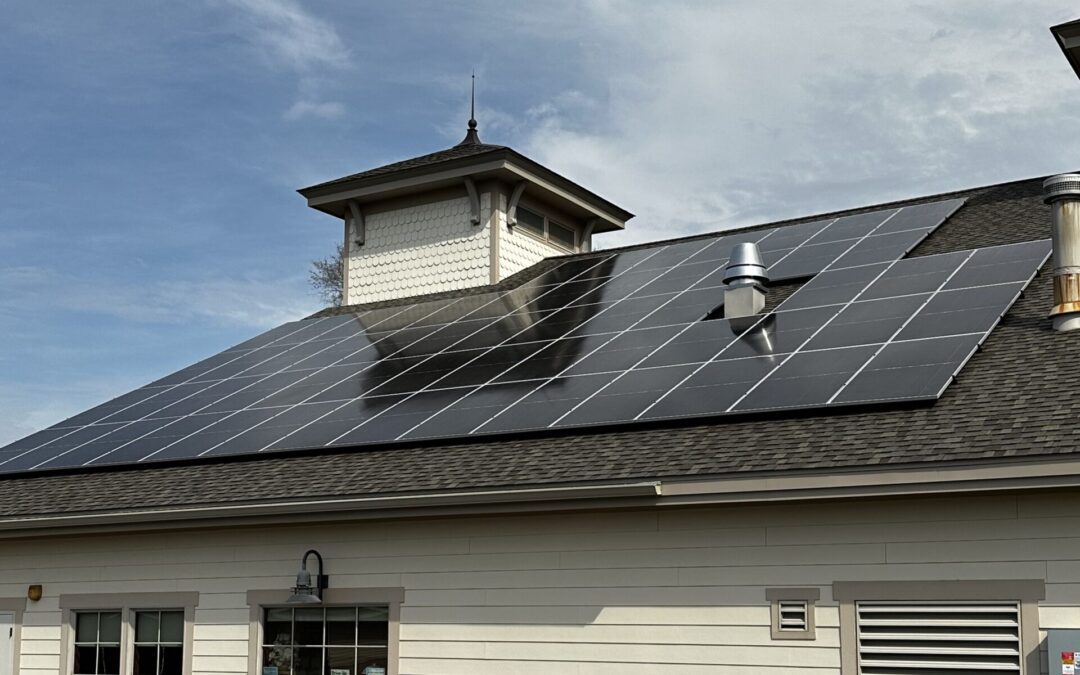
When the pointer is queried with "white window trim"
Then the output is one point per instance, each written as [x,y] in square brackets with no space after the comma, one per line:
[16,607]
[546,237]
[807,595]
[1026,592]
[127,604]
[391,597]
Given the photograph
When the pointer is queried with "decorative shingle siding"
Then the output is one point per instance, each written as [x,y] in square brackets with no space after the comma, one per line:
[420,249]
[518,250]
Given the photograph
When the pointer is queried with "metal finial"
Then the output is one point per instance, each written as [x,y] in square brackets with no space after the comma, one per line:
[472,103]
[471,136]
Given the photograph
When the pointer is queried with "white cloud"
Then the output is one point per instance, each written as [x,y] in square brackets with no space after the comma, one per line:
[256,301]
[289,35]
[704,116]
[326,110]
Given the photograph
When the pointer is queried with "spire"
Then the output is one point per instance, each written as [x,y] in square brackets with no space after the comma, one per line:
[471,136]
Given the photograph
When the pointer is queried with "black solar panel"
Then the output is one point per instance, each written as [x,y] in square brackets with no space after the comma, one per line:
[609,339]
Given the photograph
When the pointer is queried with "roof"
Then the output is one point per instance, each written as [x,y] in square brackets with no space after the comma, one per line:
[1009,402]
[423,161]
[466,156]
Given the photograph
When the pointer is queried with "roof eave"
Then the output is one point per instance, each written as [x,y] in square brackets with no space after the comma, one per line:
[959,478]
[1067,35]
[503,162]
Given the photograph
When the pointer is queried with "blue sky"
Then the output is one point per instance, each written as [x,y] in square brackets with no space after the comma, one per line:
[150,152]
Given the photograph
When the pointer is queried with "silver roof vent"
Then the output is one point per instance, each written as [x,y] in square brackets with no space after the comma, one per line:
[745,267]
[745,276]
[1062,193]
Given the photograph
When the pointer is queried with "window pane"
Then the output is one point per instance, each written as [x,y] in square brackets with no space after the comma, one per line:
[340,661]
[309,628]
[341,626]
[110,629]
[278,627]
[108,659]
[172,627]
[146,626]
[371,661]
[172,661]
[374,613]
[86,627]
[561,234]
[530,220]
[277,657]
[145,660]
[373,626]
[84,660]
[308,660]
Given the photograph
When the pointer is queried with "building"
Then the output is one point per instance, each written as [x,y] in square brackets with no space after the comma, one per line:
[600,491]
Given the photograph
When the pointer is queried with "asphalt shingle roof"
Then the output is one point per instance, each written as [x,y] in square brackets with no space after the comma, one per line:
[431,159]
[1009,401]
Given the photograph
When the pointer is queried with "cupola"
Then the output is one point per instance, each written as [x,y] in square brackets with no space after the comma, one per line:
[470,215]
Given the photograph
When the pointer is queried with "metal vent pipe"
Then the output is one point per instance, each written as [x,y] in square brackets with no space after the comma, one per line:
[745,276]
[1062,193]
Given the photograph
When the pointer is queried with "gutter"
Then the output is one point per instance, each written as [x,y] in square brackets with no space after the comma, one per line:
[971,477]
[529,499]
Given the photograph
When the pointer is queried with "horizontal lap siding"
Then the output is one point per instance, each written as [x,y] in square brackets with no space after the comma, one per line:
[588,594]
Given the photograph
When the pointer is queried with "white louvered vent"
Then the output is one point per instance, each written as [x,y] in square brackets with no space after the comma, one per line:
[960,638]
[793,615]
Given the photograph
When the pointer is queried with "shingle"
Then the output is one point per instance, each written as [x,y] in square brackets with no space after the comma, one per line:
[1009,402]
[431,159]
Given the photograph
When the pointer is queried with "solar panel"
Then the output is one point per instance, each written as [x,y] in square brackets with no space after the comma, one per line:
[608,339]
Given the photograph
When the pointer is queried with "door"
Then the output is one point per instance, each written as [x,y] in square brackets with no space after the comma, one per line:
[7,636]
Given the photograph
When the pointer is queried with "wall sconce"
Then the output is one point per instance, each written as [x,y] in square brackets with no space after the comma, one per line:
[304,593]
[34,592]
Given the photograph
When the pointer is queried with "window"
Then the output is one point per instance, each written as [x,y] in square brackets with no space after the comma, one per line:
[127,633]
[547,229]
[354,632]
[159,643]
[325,641]
[961,627]
[97,643]
[792,612]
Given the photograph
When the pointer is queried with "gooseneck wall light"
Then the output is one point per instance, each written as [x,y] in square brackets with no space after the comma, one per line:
[306,593]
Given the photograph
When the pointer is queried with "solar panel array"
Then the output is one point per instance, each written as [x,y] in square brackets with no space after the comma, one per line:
[608,339]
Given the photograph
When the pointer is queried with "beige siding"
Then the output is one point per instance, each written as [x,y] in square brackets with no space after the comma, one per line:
[589,594]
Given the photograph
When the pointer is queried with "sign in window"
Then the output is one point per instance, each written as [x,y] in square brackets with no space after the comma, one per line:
[325,640]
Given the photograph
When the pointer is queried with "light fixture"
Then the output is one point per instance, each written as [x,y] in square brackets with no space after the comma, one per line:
[1068,38]
[304,593]
[34,592]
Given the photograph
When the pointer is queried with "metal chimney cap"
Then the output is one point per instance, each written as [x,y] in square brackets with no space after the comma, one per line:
[1061,186]
[745,267]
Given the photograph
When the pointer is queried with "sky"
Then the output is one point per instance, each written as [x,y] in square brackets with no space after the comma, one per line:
[150,152]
